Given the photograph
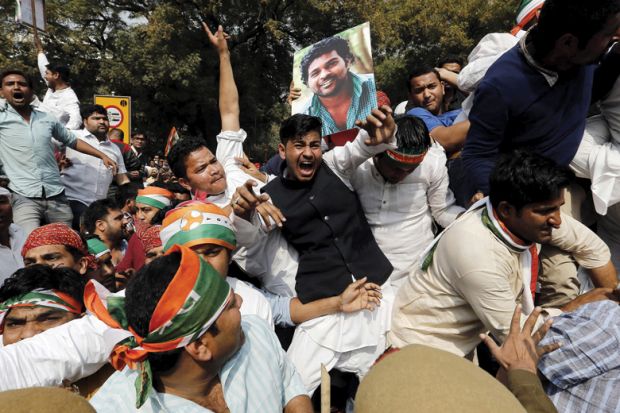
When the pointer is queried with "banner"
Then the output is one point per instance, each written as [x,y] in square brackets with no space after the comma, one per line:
[336,78]
[119,112]
[27,9]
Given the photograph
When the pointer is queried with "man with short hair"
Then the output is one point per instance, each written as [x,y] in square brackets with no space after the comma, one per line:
[138,144]
[88,179]
[12,238]
[132,163]
[37,298]
[57,245]
[483,264]
[28,158]
[538,93]
[104,219]
[199,352]
[104,273]
[340,97]
[403,191]
[60,100]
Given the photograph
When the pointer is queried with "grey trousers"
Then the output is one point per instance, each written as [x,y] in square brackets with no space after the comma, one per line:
[31,213]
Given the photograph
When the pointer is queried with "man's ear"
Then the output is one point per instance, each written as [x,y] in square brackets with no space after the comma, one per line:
[567,44]
[83,265]
[282,150]
[101,225]
[185,184]
[199,349]
[505,210]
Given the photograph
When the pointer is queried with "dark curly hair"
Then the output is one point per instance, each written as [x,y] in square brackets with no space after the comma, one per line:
[340,45]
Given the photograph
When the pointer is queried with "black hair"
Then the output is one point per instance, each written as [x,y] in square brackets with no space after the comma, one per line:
[96,211]
[583,19]
[125,193]
[177,188]
[87,109]
[9,72]
[412,136]
[159,216]
[419,71]
[297,126]
[133,134]
[143,292]
[179,153]
[119,131]
[450,58]
[340,45]
[524,177]
[37,276]
[63,71]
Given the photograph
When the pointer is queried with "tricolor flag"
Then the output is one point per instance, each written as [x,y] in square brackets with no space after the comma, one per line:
[173,137]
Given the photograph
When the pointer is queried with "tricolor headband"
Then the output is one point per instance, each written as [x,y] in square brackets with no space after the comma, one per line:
[189,306]
[155,197]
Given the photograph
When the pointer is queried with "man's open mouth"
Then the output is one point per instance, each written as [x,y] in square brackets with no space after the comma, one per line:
[327,83]
[18,97]
[306,168]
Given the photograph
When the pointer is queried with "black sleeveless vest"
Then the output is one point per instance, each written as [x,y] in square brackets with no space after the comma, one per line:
[326,224]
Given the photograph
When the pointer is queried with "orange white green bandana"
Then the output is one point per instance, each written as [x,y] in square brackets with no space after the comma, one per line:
[155,197]
[191,304]
[194,223]
[41,298]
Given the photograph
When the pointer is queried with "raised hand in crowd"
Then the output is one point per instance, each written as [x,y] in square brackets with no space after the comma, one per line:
[520,350]
[379,125]
[219,39]
[245,202]
[249,168]
[293,93]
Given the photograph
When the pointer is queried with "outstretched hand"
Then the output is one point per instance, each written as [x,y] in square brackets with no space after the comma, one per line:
[360,295]
[379,125]
[293,93]
[520,350]
[219,39]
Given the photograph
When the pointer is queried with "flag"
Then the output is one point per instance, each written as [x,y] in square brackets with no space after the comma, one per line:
[173,137]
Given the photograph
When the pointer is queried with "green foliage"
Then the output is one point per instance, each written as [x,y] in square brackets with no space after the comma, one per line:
[155,51]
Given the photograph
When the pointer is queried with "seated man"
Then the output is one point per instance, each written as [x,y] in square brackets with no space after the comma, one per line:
[37,298]
[326,225]
[402,191]
[57,245]
[206,229]
[486,261]
[188,348]
[105,219]
[105,273]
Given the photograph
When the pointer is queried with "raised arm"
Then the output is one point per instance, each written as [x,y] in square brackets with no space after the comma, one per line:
[229,96]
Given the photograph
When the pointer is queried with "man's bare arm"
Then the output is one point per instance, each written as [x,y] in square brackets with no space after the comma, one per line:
[229,96]
[451,138]
[299,404]
[604,276]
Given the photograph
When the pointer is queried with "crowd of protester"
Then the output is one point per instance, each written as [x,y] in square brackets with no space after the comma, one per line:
[458,252]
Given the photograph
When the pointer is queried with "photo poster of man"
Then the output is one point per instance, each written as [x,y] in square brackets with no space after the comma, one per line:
[337,81]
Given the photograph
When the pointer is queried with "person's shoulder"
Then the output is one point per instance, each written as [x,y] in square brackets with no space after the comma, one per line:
[420,113]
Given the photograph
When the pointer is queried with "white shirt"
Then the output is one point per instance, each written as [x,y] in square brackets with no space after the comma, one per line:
[11,257]
[88,179]
[63,104]
[70,352]
[254,302]
[401,215]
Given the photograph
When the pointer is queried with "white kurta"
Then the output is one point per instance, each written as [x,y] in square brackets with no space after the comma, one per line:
[11,257]
[63,104]
[401,215]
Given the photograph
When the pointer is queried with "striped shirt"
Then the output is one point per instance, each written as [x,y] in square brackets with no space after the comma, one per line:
[584,374]
[258,378]
[364,100]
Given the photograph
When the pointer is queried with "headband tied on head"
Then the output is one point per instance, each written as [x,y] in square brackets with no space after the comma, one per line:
[194,223]
[189,306]
[58,234]
[97,247]
[525,13]
[41,298]
[405,160]
[154,196]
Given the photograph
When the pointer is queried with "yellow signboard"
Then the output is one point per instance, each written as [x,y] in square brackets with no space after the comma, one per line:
[119,112]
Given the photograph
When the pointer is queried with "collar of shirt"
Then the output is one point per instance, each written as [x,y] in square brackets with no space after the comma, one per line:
[550,76]
[87,136]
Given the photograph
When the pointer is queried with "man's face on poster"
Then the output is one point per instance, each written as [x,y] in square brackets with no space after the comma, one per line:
[327,74]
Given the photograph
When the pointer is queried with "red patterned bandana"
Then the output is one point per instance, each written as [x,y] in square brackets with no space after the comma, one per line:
[57,234]
[150,237]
